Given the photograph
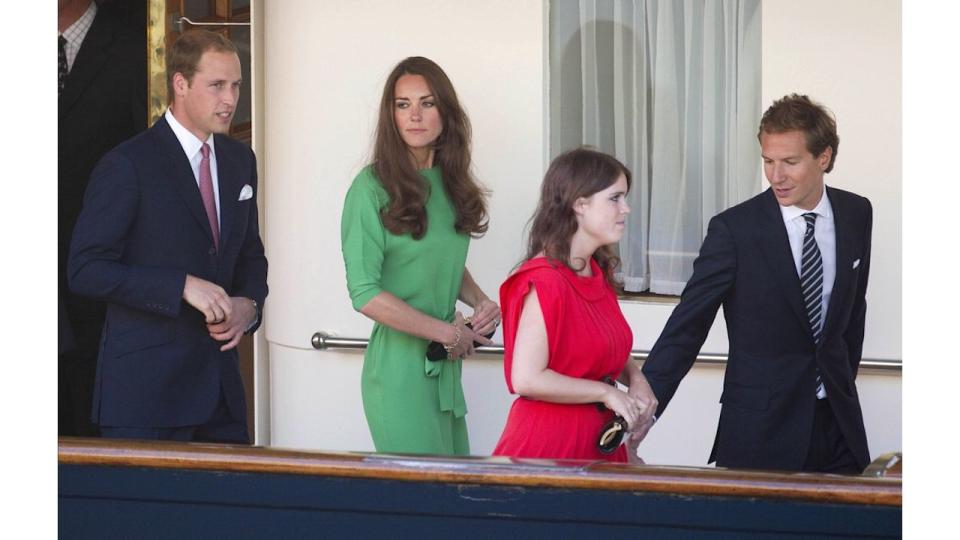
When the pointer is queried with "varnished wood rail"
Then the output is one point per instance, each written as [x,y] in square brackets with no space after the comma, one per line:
[689,481]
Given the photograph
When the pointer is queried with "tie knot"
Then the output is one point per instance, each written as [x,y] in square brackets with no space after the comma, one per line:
[62,41]
[205,150]
[811,219]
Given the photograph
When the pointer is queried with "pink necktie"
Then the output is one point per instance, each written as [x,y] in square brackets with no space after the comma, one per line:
[206,192]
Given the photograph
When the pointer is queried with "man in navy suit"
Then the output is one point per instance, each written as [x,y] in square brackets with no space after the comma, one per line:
[790,269]
[168,238]
[102,102]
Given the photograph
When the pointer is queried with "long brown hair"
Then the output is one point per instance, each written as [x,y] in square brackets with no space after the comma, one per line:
[392,159]
[576,173]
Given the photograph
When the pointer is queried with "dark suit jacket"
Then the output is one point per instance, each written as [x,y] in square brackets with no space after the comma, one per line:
[768,399]
[142,230]
[104,103]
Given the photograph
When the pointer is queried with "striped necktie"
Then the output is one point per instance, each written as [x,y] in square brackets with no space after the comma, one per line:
[811,284]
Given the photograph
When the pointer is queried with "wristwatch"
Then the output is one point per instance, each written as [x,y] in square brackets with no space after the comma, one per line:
[256,316]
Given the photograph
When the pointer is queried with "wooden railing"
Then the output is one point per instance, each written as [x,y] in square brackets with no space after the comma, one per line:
[127,489]
[868,490]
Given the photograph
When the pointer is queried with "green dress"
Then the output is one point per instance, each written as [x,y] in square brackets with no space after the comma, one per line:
[412,405]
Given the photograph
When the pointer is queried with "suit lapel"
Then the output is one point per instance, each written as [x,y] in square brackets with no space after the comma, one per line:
[181,173]
[775,246]
[229,180]
[90,59]
[844,237]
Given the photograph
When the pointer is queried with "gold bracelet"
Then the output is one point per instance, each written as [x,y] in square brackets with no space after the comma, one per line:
[456,341]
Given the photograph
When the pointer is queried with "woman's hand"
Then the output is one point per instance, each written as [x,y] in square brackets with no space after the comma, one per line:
[486,312]
[486,316]
[628,407]
[463,347]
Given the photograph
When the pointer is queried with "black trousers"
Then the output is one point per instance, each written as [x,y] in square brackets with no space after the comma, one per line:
[828,451]
[76,373]
[222,427]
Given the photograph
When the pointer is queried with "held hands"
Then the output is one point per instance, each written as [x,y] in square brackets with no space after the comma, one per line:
[640,389]
[622,403]
[227,317]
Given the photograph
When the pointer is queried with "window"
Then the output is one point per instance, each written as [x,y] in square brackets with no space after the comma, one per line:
[672,89]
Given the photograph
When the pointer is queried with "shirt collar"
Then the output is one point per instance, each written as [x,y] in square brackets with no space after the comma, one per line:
[190,143]
[75,33]
[823,209]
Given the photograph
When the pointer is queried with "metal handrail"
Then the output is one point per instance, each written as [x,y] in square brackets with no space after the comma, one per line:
[323,342]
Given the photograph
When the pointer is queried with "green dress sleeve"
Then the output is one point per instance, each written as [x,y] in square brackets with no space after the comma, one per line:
[363,238]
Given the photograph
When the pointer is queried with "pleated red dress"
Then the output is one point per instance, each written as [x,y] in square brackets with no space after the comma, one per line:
[588,338]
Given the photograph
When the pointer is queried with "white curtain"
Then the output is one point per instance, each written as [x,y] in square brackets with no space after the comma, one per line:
[672,89]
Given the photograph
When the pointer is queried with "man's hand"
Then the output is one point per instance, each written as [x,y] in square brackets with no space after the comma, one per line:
[209,298]
[633,443]
[640,389]
[232,328]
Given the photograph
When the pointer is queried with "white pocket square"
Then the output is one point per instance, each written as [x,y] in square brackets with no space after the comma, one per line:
[856,263]
[247,192]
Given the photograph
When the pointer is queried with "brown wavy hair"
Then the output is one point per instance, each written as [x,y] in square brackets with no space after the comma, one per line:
[393,161]
[796,112]
[574,174]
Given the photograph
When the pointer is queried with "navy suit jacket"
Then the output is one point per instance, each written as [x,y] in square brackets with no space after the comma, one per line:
[769,388]
[141,231]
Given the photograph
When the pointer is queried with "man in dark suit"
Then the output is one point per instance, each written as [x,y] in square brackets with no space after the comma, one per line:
[790,269]
[168,237]
[102,102]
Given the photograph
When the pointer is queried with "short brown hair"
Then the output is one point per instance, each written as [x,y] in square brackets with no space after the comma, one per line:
[184,56]
[797,112]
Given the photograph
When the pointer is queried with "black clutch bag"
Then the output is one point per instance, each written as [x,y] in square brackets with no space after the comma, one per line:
[612,435]
[436,352]
[613,431]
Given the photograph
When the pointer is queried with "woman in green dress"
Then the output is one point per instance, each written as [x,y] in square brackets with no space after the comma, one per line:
[407,222]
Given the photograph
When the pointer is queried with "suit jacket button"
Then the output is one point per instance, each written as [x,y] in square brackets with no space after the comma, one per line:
[212,251]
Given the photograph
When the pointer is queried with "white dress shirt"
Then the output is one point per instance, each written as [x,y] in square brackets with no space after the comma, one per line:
[825,233]
[75,33]
[191,147]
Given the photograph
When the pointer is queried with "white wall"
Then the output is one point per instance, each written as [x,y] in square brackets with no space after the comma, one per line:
[325,63]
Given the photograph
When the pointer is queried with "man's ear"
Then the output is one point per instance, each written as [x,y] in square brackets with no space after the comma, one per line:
[824,158]
[180,84]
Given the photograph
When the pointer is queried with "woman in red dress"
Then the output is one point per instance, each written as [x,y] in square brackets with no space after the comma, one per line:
[564,333]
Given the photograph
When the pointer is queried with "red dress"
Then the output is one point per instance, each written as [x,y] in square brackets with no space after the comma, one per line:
[587,338]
